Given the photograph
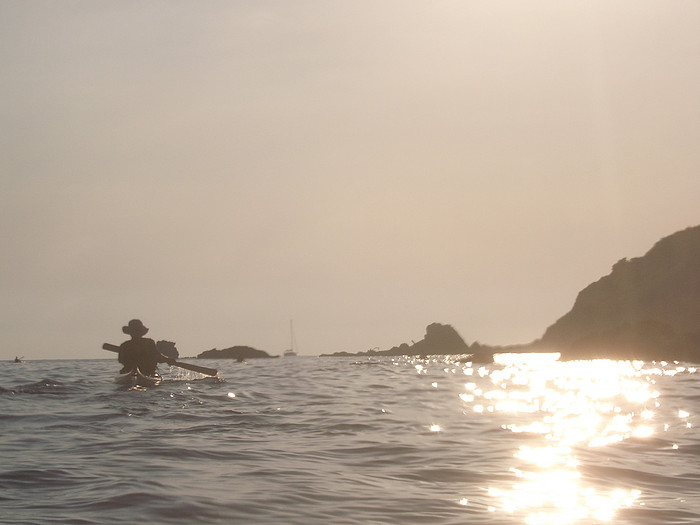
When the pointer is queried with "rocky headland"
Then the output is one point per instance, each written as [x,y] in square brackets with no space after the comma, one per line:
[646,308]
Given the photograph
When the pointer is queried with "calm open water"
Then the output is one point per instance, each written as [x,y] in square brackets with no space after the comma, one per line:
[312,440]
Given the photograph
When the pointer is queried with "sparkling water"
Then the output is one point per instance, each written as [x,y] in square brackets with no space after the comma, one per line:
[309,440]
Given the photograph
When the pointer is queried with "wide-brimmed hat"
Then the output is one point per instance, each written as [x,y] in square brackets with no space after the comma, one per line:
[135,327]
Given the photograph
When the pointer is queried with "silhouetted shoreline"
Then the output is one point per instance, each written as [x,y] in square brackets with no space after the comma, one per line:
[647,308]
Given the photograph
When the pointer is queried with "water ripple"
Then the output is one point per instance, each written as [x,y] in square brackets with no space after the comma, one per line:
[346,441]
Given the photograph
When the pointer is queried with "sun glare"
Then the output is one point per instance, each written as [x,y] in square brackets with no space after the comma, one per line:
[566,406]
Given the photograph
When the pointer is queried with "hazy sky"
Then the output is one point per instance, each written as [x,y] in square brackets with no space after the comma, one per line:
[365,168]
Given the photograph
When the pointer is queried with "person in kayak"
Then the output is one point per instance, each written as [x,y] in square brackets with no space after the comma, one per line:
[139,351]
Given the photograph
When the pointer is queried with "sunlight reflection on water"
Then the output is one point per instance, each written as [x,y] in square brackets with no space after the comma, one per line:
[566,405]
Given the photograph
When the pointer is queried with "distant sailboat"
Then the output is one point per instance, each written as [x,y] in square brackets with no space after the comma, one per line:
[291,352]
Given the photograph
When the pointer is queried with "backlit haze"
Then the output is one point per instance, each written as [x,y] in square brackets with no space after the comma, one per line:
[364,168]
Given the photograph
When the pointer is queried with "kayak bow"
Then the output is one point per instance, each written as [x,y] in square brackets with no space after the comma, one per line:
[134,377]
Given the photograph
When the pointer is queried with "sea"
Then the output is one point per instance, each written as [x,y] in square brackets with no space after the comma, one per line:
[528,439]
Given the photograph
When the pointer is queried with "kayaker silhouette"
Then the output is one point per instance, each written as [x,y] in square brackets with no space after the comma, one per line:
[139,351]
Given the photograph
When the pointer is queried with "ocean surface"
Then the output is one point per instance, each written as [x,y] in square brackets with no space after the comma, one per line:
[310,440]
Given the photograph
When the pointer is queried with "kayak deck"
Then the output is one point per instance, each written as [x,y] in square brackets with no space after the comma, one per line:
[136,378]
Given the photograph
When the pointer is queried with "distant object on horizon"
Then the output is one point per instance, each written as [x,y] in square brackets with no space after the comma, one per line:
[18,359]
[291,352]
[239,353]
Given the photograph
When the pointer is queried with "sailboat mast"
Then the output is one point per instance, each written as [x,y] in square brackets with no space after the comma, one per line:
[293,343]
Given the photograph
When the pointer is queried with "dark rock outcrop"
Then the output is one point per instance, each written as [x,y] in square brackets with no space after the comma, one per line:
[235,352]
[440,339]
[646,308]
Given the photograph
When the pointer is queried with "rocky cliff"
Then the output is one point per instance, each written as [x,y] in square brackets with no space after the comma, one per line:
[647,307]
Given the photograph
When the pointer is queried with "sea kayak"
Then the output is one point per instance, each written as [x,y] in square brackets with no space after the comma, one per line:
[136,378]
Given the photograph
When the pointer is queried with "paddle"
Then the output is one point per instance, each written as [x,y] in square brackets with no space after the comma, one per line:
[201,369]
